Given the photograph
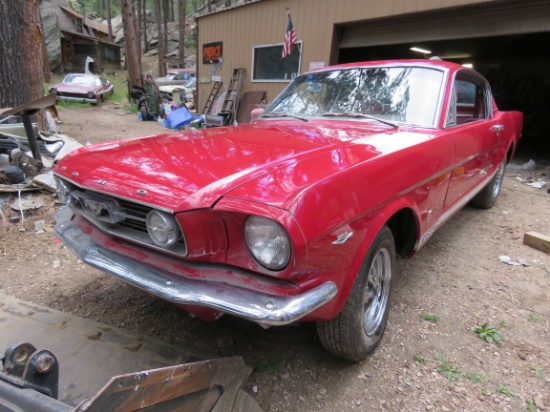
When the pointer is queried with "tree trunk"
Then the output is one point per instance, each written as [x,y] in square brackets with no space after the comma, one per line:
[21,71]
[109,25]
[139,23]
[144,16]
[165,13]
[172,14]
[227,3]
[182,6]
[209,5]
[130,38]
[138,41]
[158,12]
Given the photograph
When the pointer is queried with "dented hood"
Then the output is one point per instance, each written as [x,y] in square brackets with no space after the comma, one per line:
[193,169]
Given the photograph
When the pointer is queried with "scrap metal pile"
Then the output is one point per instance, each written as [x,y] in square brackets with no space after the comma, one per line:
[27,155]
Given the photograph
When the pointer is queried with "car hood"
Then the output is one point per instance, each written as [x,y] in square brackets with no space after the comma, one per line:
[74,88]
[193,169]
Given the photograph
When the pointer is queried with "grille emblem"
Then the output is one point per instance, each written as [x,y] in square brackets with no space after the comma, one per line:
[141,192]
[102,182]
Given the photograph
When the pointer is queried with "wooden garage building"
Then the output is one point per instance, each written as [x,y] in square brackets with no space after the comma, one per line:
[507,40]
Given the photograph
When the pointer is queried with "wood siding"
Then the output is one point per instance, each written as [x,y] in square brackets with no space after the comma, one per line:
[264,23]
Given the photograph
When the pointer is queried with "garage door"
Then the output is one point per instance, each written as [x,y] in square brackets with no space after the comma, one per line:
[495,19]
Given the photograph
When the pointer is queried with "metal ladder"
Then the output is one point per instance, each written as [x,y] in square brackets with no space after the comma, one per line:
[212,98]
[233,94]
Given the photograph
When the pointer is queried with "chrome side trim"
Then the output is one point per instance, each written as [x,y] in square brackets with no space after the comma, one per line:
[248,304]
[451,211]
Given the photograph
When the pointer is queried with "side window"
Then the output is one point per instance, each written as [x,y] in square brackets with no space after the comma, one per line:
[468,102]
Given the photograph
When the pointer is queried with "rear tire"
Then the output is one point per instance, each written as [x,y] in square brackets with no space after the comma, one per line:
[144,113]
[488,196]
[359,327]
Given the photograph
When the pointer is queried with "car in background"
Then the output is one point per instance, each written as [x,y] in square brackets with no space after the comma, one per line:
[301,214]
[81,87]
[187,92]
[177,75]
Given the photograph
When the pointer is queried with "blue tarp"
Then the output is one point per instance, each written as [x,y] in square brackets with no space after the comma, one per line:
[178,118]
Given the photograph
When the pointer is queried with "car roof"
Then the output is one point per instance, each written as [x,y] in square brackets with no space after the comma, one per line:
[441,64]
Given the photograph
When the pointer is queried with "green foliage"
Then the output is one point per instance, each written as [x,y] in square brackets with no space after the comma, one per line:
[476,378]
[530,405]
[430,317]
[504,324]
[267,367]
[536,370]
[489,333]
[447,369]
[533,317]
[120,95]
[503,389]
[420,360]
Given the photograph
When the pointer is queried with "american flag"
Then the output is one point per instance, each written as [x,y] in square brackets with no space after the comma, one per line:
[290,38]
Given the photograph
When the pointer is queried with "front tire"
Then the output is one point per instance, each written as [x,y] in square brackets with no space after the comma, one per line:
[359,327]
[488,196]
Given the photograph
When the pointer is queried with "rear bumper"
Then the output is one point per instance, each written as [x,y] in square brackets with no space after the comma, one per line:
[252,305]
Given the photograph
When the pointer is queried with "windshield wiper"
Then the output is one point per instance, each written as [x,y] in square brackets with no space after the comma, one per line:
[281,114]
[360,115]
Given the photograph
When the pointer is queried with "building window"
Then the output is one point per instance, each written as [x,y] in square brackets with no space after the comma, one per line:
[267,65]
[86,49]
[110,53]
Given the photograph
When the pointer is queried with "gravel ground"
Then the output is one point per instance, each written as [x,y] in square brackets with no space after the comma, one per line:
[430,358]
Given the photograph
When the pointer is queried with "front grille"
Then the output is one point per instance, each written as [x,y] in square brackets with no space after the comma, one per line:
[125,219]
[75,95]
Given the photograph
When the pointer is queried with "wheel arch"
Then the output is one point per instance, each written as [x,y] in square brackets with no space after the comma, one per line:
[402,219]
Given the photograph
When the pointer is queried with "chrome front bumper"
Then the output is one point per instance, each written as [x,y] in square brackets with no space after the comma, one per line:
[77,99]
[255,306]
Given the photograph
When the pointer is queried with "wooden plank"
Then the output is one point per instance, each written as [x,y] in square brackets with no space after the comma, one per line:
[227,400]
[245,403]
[537,240]
[198,384]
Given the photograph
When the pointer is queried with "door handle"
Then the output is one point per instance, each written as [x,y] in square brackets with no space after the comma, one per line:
[497,128]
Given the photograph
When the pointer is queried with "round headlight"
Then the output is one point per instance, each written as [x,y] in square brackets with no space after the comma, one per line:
[267,241]
[53,90]
[162,228]
[62,191]
[90,95]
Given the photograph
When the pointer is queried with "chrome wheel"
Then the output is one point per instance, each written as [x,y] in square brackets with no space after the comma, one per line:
[377,291]
[358,329]
[498,180]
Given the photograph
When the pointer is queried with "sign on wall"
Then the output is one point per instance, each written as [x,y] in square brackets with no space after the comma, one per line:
[212,53]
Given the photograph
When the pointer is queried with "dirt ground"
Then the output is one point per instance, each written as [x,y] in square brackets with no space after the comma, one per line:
[430,358]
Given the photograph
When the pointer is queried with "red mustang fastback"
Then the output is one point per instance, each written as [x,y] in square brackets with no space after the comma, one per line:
[300,215]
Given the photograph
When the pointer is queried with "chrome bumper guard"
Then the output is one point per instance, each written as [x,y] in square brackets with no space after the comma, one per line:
[255,306]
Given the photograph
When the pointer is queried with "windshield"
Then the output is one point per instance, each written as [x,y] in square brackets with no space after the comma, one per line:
[81,79]
[408,95]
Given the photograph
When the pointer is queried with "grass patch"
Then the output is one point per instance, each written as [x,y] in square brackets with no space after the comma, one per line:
[536,370]
[533,317]
[267,367]
[430,317]
[476,378]
[503,389]
[447,369]
[420,360]
[530,405]
[489,333]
